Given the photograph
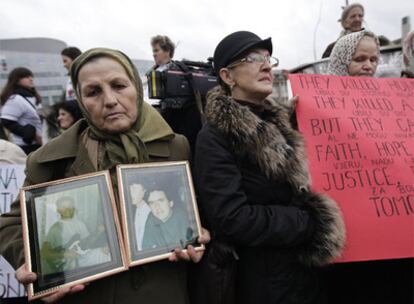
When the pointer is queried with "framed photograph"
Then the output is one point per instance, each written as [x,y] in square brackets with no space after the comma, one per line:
[158,210]
[71,232]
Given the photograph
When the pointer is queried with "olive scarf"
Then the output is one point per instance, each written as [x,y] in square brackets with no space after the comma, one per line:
[127,147]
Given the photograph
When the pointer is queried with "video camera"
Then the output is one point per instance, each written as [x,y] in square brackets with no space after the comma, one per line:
[181,80]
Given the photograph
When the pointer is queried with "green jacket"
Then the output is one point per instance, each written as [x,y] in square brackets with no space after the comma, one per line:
[65,156]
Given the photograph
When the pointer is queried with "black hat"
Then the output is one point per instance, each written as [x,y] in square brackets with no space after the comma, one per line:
[235,45]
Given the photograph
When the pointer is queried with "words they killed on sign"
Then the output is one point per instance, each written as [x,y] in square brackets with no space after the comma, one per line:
[359,134]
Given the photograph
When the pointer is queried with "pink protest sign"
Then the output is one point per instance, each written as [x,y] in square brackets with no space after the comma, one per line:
[359,134]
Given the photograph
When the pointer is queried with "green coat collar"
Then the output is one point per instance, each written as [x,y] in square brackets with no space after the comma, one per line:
[67,146]
[64,146]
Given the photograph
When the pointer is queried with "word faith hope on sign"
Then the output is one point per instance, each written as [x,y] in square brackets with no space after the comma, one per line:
[359,135]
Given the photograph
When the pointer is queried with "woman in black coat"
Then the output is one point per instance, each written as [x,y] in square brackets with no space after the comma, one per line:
[269,230]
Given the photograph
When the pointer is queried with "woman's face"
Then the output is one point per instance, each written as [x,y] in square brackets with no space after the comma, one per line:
[109,96]
[67,62]
[65,119]
[251,81]
[354,19]
[26,82]
[365,59]
[160,56]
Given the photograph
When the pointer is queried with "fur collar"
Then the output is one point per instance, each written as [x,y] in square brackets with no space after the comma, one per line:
[268,141]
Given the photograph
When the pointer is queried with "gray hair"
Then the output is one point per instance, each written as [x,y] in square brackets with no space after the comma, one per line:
[346,11]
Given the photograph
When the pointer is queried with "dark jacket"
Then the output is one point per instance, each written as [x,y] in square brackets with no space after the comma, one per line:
[252,180]
[328,50]
[173,233]
[66,156]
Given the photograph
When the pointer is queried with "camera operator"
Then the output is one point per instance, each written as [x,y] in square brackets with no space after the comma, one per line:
[163,51]
[181,113]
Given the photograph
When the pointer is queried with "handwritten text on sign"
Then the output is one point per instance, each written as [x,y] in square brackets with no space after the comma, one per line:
[9,287]
[11,179]
[359,134]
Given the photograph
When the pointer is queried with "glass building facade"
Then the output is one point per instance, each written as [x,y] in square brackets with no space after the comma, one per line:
[42,57]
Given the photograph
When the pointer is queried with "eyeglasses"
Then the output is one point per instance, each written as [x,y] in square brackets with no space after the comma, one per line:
[256,58]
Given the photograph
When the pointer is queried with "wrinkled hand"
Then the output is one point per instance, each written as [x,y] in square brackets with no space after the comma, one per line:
[26,277]
[191,254]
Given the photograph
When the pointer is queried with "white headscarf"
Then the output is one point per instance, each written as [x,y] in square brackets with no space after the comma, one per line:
[343,51]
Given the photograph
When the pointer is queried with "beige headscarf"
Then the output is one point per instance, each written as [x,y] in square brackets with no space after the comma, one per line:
[129,146]
[343,51]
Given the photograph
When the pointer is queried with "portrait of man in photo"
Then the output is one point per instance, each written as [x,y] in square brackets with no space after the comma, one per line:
[159,211]
[168,224]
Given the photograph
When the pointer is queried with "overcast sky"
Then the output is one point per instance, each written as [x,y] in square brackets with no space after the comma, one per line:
[195,25]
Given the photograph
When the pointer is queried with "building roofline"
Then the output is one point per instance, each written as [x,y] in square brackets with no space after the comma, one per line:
[33,45]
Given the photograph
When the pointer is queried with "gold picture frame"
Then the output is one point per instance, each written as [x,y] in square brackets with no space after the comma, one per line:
[158,210]
[71,232]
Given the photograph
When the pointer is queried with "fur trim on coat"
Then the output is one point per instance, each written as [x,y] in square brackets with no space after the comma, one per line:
[272,144]
[278,150]
[328,239]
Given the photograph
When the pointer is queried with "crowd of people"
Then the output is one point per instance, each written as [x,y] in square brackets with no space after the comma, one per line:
[269,238]
[21,116]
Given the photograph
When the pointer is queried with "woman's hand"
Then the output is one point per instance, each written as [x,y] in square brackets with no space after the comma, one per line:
[26,277]
[191,254]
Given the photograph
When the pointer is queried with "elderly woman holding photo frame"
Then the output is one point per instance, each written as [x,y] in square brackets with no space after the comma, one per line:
[119,128]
